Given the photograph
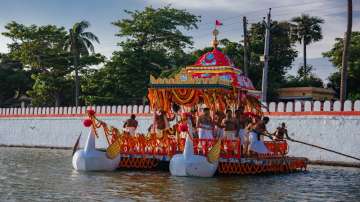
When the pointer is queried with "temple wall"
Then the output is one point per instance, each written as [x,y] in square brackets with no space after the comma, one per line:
[318,123]
[339,133]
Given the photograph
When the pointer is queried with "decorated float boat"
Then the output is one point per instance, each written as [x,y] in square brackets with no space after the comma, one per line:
[213,81]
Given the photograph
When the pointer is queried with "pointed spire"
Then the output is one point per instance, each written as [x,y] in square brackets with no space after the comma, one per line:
[215,42]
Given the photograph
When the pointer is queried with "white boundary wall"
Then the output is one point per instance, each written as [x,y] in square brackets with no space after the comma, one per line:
[54,131]
[321,123]
[339,133]
[298,106]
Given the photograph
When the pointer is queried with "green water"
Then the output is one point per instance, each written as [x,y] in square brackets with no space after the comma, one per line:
[47,175]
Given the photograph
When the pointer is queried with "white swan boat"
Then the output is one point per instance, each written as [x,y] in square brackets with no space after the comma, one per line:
[189,164]
[91,159]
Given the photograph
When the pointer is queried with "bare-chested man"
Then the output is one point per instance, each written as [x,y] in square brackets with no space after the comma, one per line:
[242,123]
[161,121]
[256,144]
[193,119]
[205,125]
[281,132]
[219,129]
[131,124]
[230,125]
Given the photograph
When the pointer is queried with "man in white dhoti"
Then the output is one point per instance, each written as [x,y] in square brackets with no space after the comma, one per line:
[230,126]
[205,125]
[242,122]
[219,129]
[256,144]
[131,125]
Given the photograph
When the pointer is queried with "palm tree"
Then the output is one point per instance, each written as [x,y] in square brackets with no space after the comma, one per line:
[79,42]
[305,30]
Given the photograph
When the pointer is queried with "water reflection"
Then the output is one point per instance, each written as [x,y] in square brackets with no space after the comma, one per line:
[47,175]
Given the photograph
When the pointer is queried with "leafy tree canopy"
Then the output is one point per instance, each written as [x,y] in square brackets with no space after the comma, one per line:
[14,81]
[153,43]
[42,50]
[157,28]
[282,55]
[306,29]
[335,56]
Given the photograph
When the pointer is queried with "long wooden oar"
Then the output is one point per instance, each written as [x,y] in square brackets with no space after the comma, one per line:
[312,145]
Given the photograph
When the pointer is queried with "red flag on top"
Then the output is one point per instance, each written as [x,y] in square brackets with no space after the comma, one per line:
[218,23]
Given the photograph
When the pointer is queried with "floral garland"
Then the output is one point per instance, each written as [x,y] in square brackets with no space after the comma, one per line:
[187,97]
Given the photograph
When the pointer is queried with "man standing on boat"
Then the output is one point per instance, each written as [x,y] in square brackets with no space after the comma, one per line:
[205,125]
[161,121]
[280,132]
[193,119]
[219,129]
[131,124]
[256,144]
[242,122]
[230,126]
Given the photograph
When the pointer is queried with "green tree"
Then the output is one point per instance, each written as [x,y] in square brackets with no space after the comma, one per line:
[152,42]
[35,46]
[304,78]
[41,49]
[306,30]
[14,82]
[282,55]
[335,56]
[234,50]
[153,29]
[79,42]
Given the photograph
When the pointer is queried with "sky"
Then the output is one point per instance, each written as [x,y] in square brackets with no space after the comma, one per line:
[100,13]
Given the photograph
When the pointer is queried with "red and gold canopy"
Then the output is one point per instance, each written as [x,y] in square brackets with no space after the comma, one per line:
[212,80]
[217,64]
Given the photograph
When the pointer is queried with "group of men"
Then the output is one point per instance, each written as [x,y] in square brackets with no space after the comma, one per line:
[249,129]
[228,126]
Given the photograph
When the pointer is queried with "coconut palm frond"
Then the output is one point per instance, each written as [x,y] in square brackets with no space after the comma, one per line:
[88,44]
[80,27]
[90,36]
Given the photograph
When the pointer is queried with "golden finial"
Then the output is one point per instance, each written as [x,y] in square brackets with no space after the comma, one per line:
[215,42]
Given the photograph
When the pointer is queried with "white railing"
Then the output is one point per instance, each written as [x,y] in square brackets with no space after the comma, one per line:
[120,109]
[297,106]
[312,106]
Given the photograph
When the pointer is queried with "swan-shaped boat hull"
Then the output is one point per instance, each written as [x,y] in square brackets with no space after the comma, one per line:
[91,159]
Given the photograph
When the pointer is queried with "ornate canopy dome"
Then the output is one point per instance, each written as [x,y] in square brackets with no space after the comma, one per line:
[213,58]
[213,80]
[212,68]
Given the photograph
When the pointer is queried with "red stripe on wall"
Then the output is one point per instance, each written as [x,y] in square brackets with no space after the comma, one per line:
[321,113]
[65,115]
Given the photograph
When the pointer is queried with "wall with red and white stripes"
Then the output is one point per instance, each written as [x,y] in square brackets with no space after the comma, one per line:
[321,123]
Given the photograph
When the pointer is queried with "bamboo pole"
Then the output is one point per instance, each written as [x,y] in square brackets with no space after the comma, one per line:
[323,148]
